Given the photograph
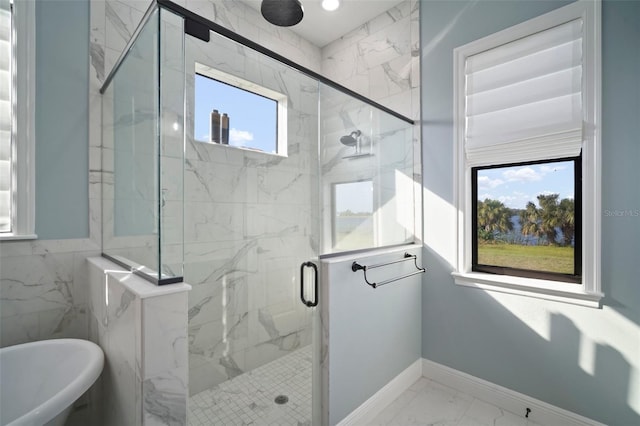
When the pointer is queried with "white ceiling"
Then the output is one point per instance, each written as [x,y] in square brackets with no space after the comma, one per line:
[321,27]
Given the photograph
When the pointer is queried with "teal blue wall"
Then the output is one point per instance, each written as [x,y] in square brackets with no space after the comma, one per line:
[62,119]
[581,359]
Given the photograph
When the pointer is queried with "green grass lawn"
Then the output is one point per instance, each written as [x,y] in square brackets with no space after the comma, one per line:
[537,258]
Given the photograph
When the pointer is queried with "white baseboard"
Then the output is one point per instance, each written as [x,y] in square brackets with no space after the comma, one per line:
[515,402]
[385,396]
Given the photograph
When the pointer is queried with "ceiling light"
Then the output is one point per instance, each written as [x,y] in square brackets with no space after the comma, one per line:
[330,5]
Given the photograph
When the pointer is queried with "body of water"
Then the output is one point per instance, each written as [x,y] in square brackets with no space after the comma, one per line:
[515,235]
[346,224]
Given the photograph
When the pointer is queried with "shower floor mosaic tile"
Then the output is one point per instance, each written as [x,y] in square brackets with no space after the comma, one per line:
[249,399]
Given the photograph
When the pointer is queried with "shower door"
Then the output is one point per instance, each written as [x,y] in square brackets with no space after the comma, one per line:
[251,231]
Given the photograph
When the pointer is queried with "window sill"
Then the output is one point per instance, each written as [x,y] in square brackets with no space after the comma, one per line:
[541,289]
[14,237]
[242,148]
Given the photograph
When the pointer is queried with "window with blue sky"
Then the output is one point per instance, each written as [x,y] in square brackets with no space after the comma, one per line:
[527,220]
[515,186]
[253,118]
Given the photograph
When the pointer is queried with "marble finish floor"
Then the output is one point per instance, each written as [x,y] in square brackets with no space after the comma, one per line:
[249,399]
[430,403]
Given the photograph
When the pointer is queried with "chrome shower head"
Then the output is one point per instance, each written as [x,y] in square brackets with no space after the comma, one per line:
[283,13]
[351,139]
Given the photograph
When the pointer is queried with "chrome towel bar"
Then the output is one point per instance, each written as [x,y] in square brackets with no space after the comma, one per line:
[355,266]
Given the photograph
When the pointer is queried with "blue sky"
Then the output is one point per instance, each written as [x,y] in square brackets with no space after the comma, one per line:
[517,185]
[252,118]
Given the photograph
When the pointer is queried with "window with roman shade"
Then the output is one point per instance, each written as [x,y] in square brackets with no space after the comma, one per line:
[523,99]
[5,116]
[17,123]
[529,96]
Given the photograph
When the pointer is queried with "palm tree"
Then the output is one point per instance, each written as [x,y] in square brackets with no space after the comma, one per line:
[567,216]
[549,216]
[493,217]
[530,220]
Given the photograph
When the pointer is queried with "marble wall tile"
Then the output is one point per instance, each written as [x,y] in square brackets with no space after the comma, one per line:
[97,41]
[248,22]
[22,328]
[164,321]
[219,301]
[43,290]
[206,221]
[123,310]
[391,77]
[210,182]
[121,21]
[379,59]
[165,360]
[275,348]
[208,371]
[145,340]
[164,399]
[36,283]
[351,38]
[384,46]
[390,17]
[121,401]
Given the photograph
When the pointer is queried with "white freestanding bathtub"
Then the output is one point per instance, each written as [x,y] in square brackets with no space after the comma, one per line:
[39,381]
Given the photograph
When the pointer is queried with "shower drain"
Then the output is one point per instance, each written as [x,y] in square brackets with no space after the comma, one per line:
[281,399]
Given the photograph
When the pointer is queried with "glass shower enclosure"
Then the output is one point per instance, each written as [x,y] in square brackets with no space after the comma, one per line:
[229,167]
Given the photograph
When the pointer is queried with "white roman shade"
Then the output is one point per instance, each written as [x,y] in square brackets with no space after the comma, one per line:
[5,116]
[523,100]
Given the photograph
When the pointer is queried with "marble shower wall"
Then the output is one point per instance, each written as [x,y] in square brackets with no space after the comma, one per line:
[113,23]
[250,221]
[381,61]
[385,159]
[274,329]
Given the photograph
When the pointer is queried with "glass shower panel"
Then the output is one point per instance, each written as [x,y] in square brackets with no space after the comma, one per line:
[394,184]
[171,158]
[251,220]
[367,186]
[129,155]
[143,153]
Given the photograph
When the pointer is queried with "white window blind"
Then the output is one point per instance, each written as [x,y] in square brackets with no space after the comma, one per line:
[5,116]
[523,99]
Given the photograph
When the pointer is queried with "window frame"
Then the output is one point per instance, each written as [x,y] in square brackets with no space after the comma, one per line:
[258,90]
[334,214]
[23,127]
[588,293]
[575,278]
